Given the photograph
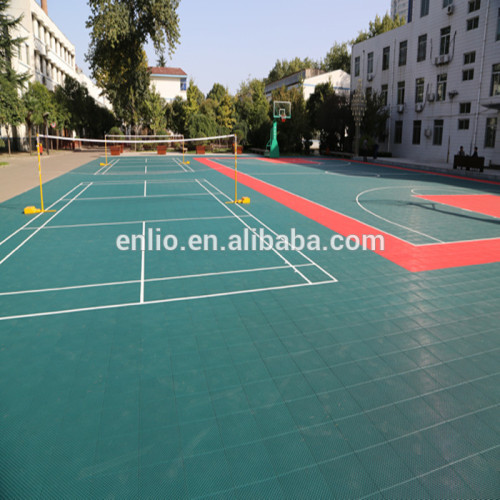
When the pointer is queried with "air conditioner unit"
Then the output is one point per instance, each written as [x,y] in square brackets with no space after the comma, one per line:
[401,108]
[450,9]
[446,59]
[431,97]
[428,132]
[370,77]
[419,107]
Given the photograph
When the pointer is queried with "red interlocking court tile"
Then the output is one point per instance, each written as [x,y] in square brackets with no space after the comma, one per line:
[487,204]
[414,258]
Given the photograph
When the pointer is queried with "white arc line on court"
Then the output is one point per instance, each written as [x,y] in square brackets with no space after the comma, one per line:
[43,225]
[387,220]
[249,214]
[254,232]
[39,215]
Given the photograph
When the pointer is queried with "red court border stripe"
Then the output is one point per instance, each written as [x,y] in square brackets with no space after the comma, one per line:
[486,204]
[414,258]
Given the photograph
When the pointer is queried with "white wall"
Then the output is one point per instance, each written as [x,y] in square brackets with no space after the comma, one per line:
[482,40]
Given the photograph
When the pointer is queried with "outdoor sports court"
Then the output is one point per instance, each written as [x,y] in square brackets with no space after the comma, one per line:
[284,373]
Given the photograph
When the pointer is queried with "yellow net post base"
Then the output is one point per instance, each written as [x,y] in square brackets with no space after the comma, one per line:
[242,201]
[33,210]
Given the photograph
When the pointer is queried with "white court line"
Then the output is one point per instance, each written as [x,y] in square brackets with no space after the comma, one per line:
[143,262]
[130,197]
[112,165]
[98,172]
[254,232]
[163,172]
[161,301]
[126,183]
[387,220]
[124,223]
[334,280]
[145,188]
[43,225]
[39,215]
[148,280]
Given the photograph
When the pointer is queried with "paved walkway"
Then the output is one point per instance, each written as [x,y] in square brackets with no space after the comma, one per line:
[21,173]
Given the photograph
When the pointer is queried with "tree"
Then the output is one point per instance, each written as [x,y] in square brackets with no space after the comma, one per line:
[38,105]
[338,57]
[252,109]
[285,68]
[11,107]
[155,109]
[119,32]
[373,126]
[330,116]
[379,26]
[8,45]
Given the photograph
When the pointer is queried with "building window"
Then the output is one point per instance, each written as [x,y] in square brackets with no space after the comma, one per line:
[385,58]
[470,57]
[495,80]
[383,93]
[498,26]
[401,93]
[398,133]
[441,87]
[472,23]
[424,8]
[467,74]
[183,84]
[465,108]
[474,5]
[447,2]
[491,132]
[444,43]
[403,49]
[356,66]
[369,63]
[463,124]
[417,131]
[419,90]
[422,48]
[437,138]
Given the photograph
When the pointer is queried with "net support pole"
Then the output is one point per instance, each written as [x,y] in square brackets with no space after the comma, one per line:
[39,169]
[235,168]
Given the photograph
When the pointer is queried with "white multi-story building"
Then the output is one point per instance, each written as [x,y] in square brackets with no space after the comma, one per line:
[309,78]
[440,77]
[169,82]
[46,54]
[400,8]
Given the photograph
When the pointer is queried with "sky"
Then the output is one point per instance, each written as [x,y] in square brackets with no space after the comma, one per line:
[228,42]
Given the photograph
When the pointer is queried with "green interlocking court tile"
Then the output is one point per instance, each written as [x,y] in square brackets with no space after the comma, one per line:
[383,385]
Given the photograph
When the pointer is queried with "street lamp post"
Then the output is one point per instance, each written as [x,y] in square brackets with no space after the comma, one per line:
[358,108]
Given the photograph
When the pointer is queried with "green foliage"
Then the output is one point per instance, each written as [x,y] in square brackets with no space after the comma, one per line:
[11,106]
[154,106]
[285,68]
[200,125]
[338,57]
[375,118]
[379,26]
[253,109]
[8,45]
[330,116]
[115,131]
[177,116]
[119,32]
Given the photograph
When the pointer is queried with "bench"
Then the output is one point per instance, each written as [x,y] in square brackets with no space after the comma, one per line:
[469,162]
